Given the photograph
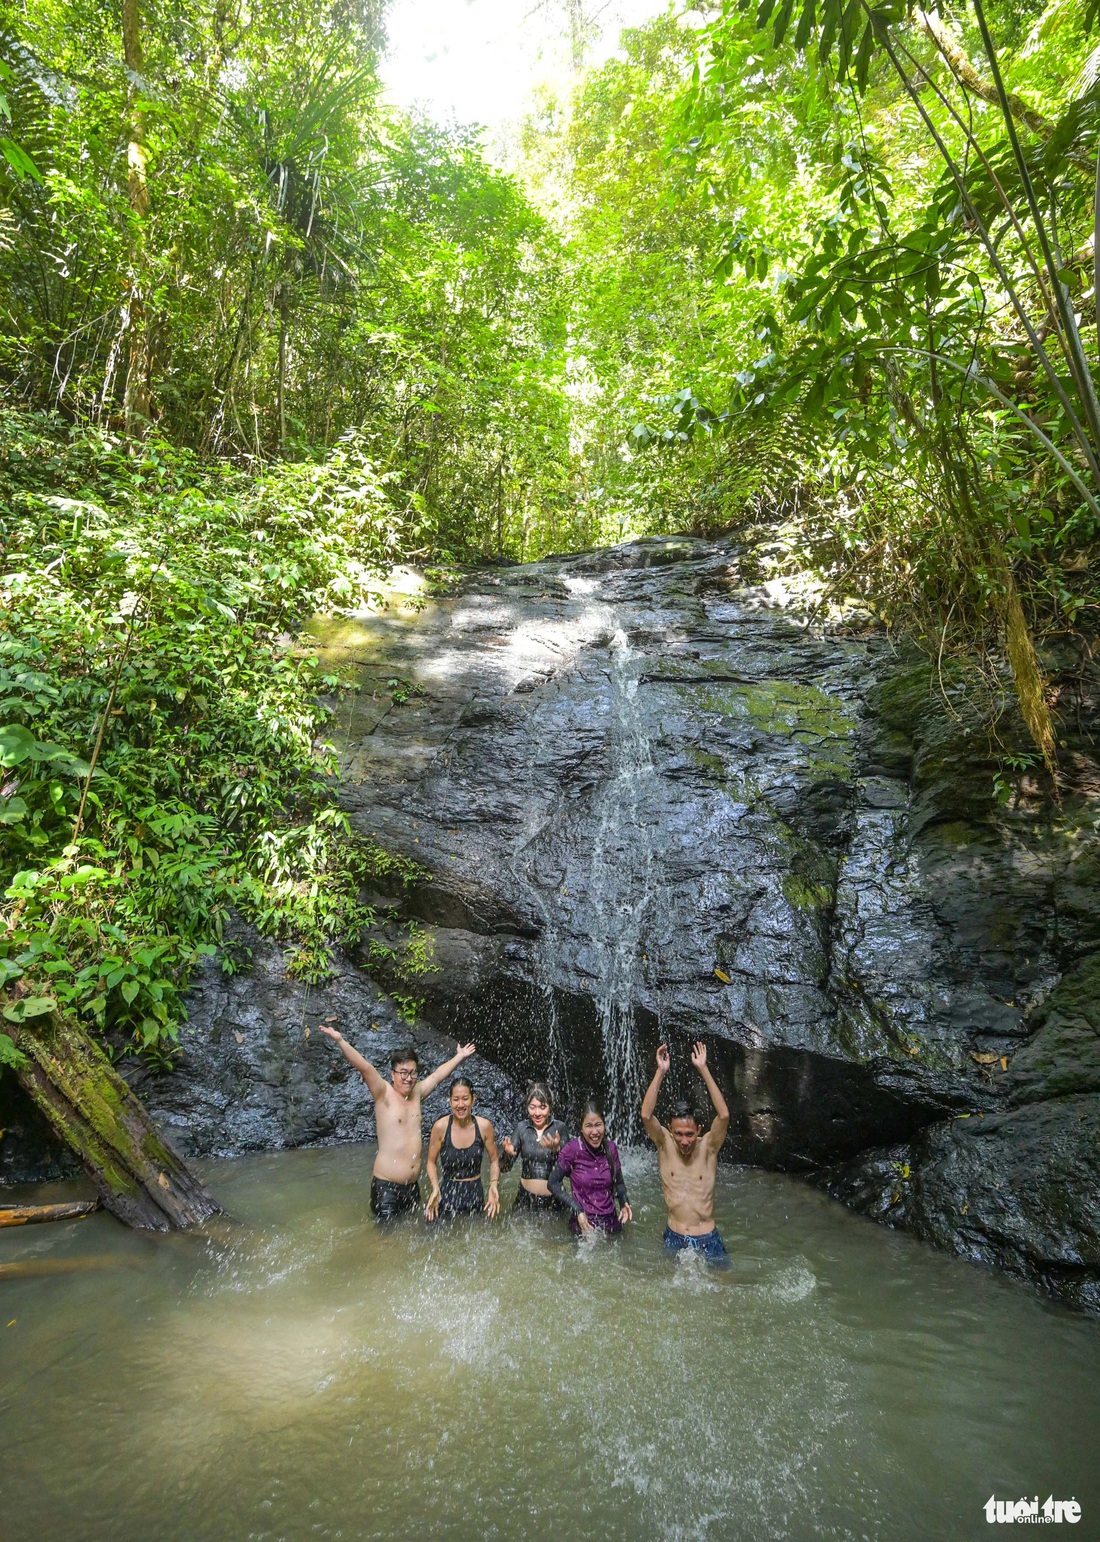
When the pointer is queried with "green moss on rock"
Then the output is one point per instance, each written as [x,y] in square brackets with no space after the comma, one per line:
[805,895]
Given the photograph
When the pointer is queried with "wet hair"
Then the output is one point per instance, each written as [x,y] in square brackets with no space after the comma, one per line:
[402,1055]
[684,1110]
[540,1091]
[461,1081]
[591,1106]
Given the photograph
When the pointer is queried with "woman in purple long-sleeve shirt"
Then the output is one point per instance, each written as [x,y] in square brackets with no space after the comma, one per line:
[591,1163]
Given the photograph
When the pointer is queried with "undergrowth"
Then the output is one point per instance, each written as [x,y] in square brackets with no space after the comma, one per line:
[163,759]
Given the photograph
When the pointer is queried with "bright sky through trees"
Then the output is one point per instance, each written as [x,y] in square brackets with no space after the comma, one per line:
[479,60]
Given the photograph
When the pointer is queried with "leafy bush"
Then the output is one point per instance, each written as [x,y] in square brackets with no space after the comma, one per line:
[161,741]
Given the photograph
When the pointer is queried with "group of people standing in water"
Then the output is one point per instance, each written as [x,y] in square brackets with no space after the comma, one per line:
[596,1197]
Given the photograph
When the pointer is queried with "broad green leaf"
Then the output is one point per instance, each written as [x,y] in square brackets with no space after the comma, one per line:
[29,1006]
[16,744]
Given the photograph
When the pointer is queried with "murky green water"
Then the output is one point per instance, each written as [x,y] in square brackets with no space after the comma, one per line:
[297,1374]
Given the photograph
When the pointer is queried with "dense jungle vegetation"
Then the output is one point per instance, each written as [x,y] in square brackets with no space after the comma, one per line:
[825,262]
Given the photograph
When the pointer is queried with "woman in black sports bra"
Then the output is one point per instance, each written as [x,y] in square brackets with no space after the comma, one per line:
[536,1141]
[458,1142]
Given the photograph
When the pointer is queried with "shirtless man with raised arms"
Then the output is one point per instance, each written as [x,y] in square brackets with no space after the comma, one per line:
[395,1186]
[688,1162]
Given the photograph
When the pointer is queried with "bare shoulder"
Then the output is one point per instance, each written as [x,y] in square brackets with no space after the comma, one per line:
[440,1124]
[485,1125]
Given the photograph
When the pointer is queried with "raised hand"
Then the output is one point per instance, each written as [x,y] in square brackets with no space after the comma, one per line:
[332,1033]
[663,1058]
[550,1141]
[698,1054]
[509,1149]
[465,1051]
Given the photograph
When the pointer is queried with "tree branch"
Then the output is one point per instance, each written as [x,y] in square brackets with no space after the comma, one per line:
[964,71]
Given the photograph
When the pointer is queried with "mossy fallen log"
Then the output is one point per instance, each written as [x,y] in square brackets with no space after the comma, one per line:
[34,1215]
[139,1176]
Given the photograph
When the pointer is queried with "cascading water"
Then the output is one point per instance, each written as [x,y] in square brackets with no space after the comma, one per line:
[524,865]
[607,890]
[623,884]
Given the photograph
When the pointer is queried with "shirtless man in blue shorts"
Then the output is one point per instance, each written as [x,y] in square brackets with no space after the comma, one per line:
[688,1162]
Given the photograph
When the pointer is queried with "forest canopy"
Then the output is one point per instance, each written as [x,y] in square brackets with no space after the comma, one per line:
[827,264]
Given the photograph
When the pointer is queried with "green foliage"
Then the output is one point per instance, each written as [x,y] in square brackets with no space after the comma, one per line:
[261,338]
[10,1055]
[309,263]
[149,607]
[836,270]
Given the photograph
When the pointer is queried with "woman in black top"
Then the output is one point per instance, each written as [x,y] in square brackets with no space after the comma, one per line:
[458,1142]
[537,1141]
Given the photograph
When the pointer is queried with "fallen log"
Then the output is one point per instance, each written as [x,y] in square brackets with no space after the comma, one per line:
[139,1176]
[32,1215]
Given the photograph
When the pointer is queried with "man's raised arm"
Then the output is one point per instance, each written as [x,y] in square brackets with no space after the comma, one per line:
[652,1125]
[430,1083]
[721,1111]
[370,1074]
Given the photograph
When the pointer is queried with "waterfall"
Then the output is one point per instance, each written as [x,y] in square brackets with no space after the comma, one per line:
[623,884]
[606,891]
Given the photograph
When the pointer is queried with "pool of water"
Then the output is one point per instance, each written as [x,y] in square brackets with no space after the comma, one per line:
[295,1373]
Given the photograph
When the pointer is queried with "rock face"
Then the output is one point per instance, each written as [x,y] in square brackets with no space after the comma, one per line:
[656,803]
[1019,1187]
[254,1074]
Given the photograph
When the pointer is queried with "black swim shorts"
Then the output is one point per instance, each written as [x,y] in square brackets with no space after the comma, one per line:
[538,1204]
[389,1200]
[460,1198]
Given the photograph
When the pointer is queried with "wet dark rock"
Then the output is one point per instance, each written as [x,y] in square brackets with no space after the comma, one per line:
[255,1074]
[1019,1189]
[29,1151]
[661,777]
[656,802]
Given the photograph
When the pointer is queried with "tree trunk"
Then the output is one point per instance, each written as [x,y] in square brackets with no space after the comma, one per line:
[137,401]
[140,1178]
[576,33]
[282,365]
[963,70]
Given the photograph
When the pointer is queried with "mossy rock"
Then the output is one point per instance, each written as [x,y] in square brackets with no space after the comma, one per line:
[1063,1058]
[713,767]
[806,896]
[778,707]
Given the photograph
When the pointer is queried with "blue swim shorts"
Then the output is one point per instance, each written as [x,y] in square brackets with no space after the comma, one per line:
[710,1244]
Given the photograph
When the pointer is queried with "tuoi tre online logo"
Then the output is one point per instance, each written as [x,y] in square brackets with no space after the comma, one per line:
[1029,1512]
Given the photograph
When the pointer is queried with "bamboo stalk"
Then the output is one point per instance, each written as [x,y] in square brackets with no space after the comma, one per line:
[32,1215]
